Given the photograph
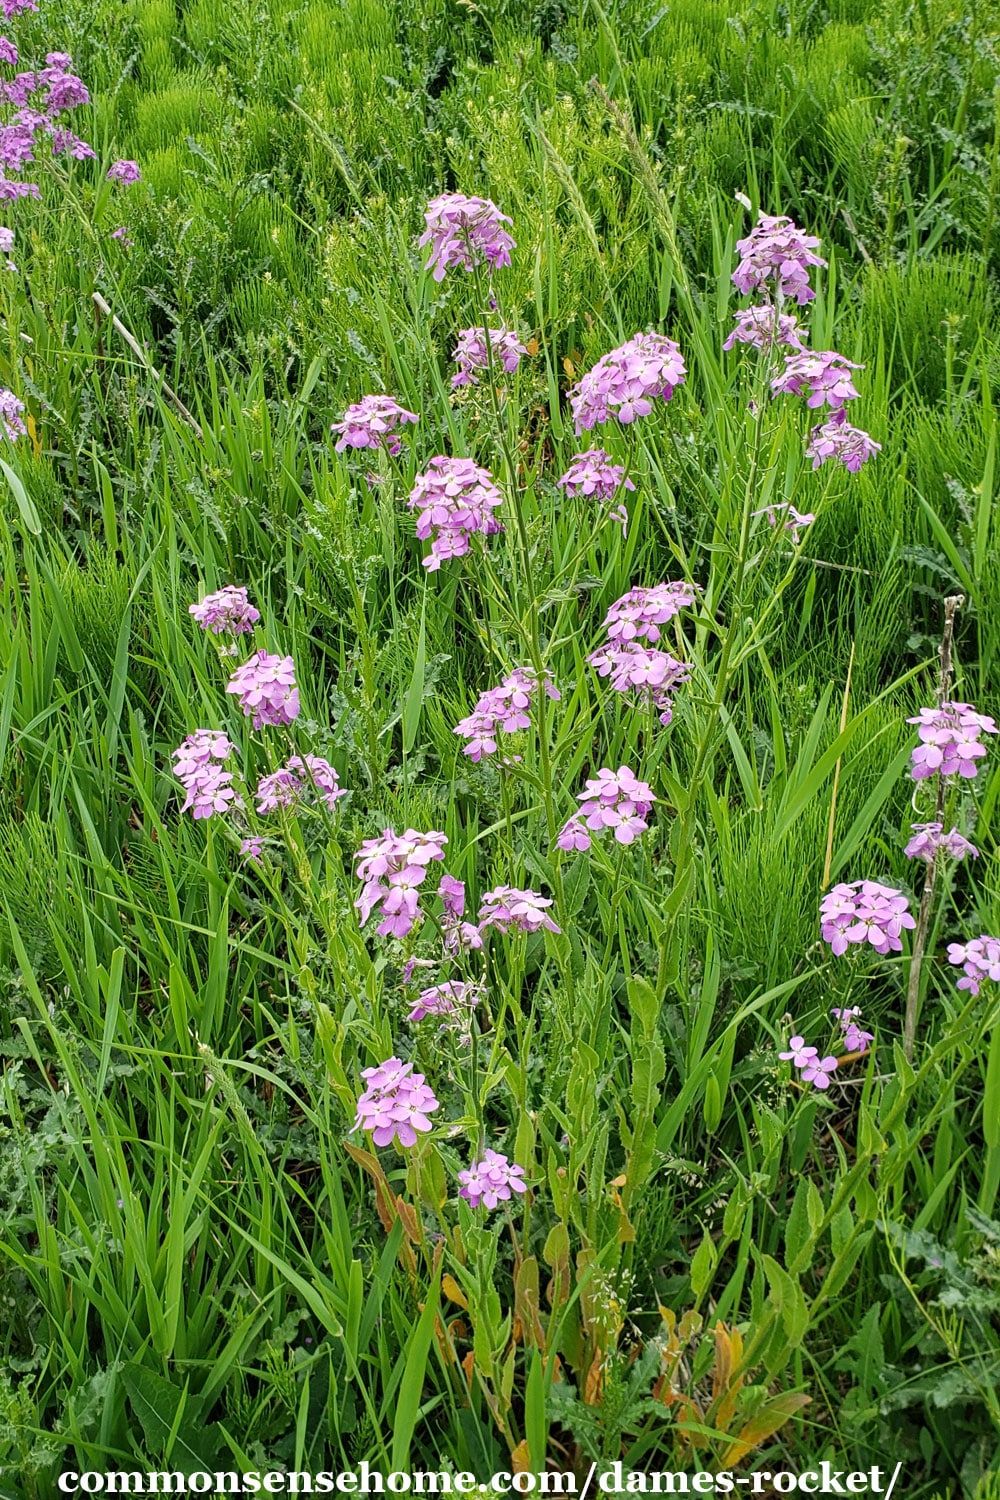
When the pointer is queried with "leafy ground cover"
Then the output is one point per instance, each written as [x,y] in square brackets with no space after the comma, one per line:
[716,1247]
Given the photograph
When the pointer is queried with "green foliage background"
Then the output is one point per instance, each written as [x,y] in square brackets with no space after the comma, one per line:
[192,1268]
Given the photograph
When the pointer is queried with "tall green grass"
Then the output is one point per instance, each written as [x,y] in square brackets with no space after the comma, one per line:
[194,1267]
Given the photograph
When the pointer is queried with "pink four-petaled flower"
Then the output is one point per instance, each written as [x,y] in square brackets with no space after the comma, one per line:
[473,357]
[639,614]
[373,422]
[863,911]
[929,839]
[506,906]
[777,251]
[814,1069]
[126,172]
[265,687]
[395,1104]
[453,997]
[491,1181]
[615,800]
[300,779]
[501,710]
[392,869]
[979,959]
[823,378]
[817,1071]
[464,232]
[763,326]
[198,765]
[625,383]
[949,741]
[455,498]
[851,446]
[226,611]
[593,474]
[646,671]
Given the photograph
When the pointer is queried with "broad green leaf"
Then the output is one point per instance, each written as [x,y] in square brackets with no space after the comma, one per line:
[29,514]
[157,1402]
[414,1380]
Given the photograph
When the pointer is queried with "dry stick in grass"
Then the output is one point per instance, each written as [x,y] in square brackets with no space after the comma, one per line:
[951,605]
[138,350]
[836,776]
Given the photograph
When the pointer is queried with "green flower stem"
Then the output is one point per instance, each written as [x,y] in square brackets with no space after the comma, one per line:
[533,635]
[951,605]
[709,735]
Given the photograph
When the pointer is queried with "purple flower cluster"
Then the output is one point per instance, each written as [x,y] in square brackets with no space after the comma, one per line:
[640,613]
[373,422]
[227,612]
[824,379]
[763,325]
[454,998]
[593,473]
[644,671]
[455,498]
[776,256]
[393,868]
[463,233]
[862,911]
[64,142]
[501,710]
[626,382]
[776,253]
[265,686]
[851,446]
[612,799]
[299,779]
[491,1181]
[929,838]
[125,172]
[651,675]
[10,415]
[854,1038]
[978,959]
[505,907]
[472,356]
[395,1104]
[459,935]
[40,98]
[197,765]
[814,1069]
[792,520]
[949,741]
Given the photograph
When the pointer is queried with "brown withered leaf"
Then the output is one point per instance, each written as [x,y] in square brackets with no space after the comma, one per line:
[520,1459]
[763,1424]
[383,1193]
[526,1309]
[411,1221]
[453,1291]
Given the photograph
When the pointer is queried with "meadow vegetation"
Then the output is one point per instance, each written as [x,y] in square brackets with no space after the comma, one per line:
[712,1255]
